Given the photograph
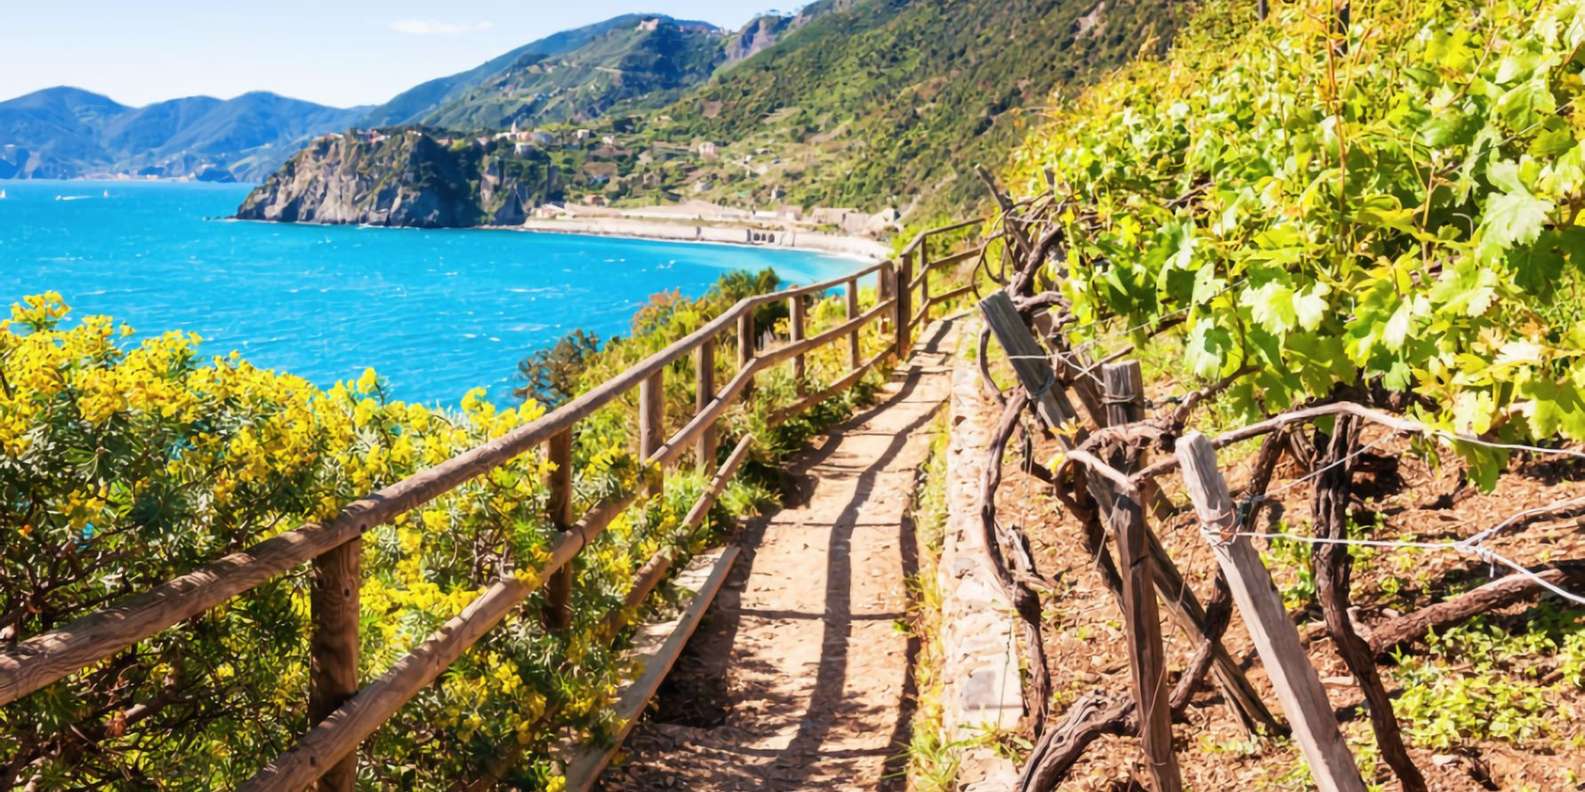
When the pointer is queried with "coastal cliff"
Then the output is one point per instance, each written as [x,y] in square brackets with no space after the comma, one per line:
[408,178]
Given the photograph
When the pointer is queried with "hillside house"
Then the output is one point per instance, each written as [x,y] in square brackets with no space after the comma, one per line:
[599,172]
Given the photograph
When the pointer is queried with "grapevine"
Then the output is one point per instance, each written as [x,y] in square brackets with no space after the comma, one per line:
[1394,206]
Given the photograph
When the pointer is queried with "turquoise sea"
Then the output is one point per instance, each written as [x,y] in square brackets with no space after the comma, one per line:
[434,312]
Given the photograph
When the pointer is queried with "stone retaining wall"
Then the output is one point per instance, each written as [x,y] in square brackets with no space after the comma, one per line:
[981,670]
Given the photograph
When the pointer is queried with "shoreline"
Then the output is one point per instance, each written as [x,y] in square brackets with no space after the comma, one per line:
[649,228]
[860,248]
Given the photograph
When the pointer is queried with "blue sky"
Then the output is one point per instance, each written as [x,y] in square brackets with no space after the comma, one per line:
[331,51]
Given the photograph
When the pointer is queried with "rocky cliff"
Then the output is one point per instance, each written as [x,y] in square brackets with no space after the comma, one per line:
[409,178]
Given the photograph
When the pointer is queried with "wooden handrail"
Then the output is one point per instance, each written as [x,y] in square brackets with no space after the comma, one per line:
[783,353]
[45,658]
[958,292]
[782,415]
[923,235]
[946,261]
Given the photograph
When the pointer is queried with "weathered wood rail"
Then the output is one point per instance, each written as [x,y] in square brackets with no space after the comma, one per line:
[343,712]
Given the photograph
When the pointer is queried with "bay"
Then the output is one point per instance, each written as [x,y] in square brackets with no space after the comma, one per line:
[435,312]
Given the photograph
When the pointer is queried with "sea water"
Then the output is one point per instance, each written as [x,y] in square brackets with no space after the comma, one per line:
[435,312]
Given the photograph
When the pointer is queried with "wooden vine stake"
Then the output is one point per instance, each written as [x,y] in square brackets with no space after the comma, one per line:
[1298,686]
[1029,361]
[1147,658]
[1051,402]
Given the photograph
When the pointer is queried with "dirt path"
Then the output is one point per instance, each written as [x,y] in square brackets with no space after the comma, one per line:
[799,679]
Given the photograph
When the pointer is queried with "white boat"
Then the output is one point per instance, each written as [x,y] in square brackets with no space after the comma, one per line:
[107,193]
[2,195]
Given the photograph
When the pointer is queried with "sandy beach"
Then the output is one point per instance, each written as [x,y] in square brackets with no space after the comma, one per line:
[793,239]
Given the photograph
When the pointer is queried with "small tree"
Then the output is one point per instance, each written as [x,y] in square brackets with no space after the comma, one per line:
[551,375]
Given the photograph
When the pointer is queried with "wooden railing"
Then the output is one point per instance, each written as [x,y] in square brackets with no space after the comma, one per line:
[343,713]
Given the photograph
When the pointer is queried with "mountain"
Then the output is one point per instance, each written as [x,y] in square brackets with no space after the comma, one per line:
[630,62]
[643,65]
[419,104]
[53,133]
[872,103]
[69,133]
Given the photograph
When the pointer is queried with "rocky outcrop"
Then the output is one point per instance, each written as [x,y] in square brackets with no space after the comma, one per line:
[409,178]
[757,35]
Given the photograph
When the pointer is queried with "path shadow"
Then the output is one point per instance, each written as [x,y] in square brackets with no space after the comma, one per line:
[696,693]
[794,764]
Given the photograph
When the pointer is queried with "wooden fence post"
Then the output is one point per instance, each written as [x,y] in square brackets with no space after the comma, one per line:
[1294,678]
[1124,404]
[855,355]
[924,284]
[745,348]
[795,324]
[651,422]
[904,311]
[333,647]
[558,483]
[884,284]
[704,393]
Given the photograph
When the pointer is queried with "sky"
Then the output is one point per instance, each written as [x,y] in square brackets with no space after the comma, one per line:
[336,52]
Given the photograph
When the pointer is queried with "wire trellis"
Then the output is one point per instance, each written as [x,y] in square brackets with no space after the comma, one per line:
[1473,545]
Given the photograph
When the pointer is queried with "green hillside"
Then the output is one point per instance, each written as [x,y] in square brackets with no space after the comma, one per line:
[643,64]
[875,102]
[417,104]
[53,133]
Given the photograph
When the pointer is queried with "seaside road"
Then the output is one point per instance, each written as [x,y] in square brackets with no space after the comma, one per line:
[799,677]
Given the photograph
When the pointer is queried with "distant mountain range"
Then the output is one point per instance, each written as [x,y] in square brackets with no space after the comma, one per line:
[631,62]
[65,133]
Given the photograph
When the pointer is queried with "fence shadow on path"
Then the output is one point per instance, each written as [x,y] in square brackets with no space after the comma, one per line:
[698,694]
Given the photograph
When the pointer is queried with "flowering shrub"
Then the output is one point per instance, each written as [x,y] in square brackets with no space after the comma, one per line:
[127,464]
[130,462]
